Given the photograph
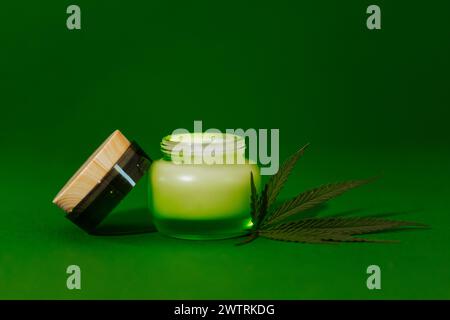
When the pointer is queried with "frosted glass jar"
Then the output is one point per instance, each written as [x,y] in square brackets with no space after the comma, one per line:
[201,187]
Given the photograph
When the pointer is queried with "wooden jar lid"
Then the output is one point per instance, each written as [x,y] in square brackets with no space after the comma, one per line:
[91,173]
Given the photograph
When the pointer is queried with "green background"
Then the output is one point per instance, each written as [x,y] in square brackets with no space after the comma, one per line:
[369,102]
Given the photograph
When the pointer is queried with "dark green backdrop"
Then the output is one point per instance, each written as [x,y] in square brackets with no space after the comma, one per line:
[369,102]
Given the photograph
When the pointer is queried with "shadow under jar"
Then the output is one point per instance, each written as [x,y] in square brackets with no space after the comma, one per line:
[201,187]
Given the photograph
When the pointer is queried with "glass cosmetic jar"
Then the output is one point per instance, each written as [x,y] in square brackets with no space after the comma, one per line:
[201,186]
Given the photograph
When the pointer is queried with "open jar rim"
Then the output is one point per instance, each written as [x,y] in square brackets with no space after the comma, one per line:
[186,147]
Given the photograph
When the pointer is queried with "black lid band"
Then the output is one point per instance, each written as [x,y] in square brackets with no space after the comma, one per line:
[116,184]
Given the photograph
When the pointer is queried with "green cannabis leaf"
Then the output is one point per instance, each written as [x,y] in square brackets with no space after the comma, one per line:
[277,181]
[322,230]
[253,199]
[260,205]
[286,222]
[312,198]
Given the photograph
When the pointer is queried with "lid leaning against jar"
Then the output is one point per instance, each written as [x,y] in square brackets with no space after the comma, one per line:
[102,181]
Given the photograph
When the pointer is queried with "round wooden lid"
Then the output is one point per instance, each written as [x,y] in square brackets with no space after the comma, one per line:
[92,171]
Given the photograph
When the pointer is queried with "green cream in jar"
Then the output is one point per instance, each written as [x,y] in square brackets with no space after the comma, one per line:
[201,186]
